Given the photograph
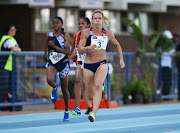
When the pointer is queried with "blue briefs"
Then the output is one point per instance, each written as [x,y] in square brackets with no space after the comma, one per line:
[62,68]
[94,66]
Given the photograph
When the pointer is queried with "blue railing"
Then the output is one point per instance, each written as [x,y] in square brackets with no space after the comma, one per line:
[34,54]
[13,79]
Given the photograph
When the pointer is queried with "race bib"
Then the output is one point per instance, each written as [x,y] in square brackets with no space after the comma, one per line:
[99,41]
[80,57]
[56,57]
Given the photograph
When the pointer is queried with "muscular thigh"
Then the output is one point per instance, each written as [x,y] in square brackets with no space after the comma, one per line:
[79,73]
[51,72]
[100,74]
[88,77]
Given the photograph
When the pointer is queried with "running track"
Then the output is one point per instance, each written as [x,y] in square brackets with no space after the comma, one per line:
[141,119]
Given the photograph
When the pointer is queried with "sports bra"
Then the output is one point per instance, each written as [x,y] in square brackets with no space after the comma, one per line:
[88,43]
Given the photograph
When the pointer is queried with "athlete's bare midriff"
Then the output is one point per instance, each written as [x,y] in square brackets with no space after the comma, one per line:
[95,57]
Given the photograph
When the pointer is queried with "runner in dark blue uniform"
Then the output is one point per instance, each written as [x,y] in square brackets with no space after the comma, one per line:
[58,50]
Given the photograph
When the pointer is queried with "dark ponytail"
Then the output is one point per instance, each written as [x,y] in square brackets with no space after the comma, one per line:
[62,29]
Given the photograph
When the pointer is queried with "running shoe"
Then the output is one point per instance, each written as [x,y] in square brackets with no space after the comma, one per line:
[66,116]
[92,117]
[76,111]
[88,111]
[102,89]
[54,94]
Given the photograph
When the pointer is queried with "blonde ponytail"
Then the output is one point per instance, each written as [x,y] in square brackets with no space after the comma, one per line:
[106,20]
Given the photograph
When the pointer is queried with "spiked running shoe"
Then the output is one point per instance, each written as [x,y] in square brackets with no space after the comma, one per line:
[92,117]
[76,111]
[88,111]
[66,116]
[54,94]
[102,89]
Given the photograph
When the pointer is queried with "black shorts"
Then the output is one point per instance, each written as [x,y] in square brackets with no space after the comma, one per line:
[94,66]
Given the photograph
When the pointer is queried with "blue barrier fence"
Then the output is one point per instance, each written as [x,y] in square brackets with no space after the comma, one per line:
[28,62]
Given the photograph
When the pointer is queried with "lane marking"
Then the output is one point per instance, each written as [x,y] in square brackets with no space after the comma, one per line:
[130,127]
[172,132]
[97,122]
[51,116]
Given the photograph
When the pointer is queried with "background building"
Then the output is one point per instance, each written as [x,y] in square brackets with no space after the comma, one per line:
[33,18]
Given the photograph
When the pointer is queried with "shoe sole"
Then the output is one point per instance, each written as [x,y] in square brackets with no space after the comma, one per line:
[74,113]
[91,119]
[55,100]
[66,120]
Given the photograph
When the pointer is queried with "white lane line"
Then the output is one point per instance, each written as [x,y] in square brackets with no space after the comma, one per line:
[172,132]
[35,117]
[53,116]
[130,127]
[97,122]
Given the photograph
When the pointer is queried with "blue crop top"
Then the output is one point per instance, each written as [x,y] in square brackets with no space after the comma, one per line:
[58,41]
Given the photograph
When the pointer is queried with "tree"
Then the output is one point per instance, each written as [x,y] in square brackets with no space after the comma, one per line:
[157,41]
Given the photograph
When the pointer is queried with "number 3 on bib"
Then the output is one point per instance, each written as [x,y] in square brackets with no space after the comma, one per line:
[99,41]
[99,45]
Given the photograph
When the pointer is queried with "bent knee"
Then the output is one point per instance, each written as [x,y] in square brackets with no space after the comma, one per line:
[98,87]
[78,79]
[50,81]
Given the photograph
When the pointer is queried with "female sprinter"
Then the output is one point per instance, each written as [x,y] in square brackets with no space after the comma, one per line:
[93,43]
[79,86]
[58,50]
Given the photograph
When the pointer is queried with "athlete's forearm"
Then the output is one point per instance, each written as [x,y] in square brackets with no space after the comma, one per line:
[73,54]
[119,52]
[65,51]
[82,50]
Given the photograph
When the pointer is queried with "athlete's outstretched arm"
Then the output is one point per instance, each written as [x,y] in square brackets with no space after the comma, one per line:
[72,54]
[67,44]
[45,58]
[118,48]
[73,50]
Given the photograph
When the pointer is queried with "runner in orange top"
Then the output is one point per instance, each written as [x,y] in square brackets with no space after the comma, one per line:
[79,86]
